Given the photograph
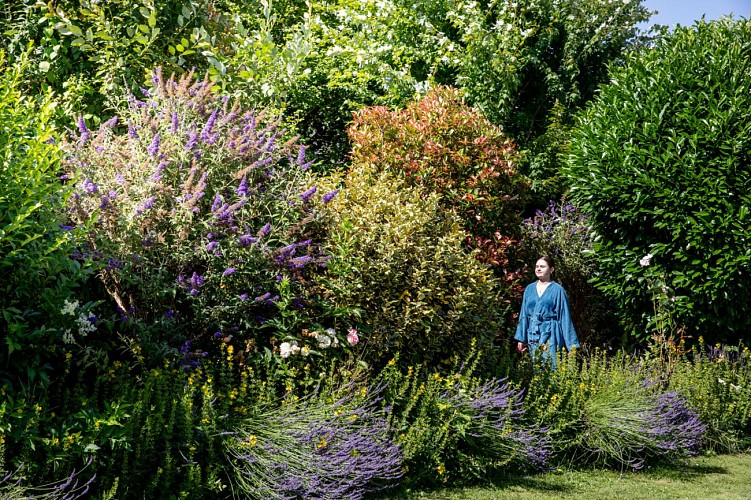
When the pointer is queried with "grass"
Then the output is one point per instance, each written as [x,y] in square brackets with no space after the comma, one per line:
[726,477]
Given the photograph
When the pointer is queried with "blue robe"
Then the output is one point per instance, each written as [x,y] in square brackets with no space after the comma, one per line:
[546,320]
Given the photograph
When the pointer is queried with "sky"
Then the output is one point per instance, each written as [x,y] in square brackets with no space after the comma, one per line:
[685,12]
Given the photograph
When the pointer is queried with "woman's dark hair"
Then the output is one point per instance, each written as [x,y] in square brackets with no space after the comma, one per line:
[548,260]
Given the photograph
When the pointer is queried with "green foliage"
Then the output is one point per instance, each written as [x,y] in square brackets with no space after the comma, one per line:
[37,273]
[610,412]
[86,51]
[660,164]
[442,146]
[716,380]
[398,257]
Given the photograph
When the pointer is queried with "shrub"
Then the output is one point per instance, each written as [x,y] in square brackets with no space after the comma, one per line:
[441,145]
[455,426]
[37,273]
[398,258]
[199,215]
[444,146]
[716,381]
[611,412]
[660,164]
[332,444]
[87,51]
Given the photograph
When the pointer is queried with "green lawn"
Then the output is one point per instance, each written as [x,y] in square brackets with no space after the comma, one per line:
[725,477]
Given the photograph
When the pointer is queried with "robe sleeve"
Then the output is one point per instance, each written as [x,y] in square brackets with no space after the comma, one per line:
[568,333]
[521,328]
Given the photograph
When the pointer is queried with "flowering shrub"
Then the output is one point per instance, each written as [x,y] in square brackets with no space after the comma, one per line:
[399,265]
[331,445]
[716,381]
[197,211]
[12,486]
[455,427]
[612,412]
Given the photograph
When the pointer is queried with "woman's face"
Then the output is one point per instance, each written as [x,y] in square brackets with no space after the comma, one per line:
[543,270]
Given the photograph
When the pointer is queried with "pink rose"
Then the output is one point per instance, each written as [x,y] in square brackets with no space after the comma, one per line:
[352,337]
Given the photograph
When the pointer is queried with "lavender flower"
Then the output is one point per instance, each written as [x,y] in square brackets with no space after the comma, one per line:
[132,132]
[242,189]
[192,140]
[211,246]
[175,123]
[111,123]
[246,240]
[265,230]
[229,271]
[89,186]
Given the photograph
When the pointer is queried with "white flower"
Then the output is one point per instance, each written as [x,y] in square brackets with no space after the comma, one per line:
[84,325]
[721,381]
[324,340]
[285,349]
[295,348]
[305,350]
[352,337]
[69,308]
[735,387]
[646,260]
[68,337]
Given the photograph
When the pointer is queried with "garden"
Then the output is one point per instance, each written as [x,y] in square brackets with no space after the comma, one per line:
[277,249]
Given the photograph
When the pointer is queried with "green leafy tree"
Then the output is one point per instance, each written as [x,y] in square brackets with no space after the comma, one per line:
[660,163]
[86,50]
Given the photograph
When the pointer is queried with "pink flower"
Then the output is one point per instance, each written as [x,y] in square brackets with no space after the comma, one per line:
[352,337]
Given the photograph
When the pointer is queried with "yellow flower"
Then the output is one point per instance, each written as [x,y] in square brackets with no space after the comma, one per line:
[230,349]
[68,355]
[392,362]
[441,469]
[252,440]
[322,443]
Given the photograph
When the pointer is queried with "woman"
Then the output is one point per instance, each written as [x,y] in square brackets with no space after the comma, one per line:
[545,320]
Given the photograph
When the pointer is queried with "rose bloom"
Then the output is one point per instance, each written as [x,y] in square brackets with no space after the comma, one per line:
[285,349]
[352,337]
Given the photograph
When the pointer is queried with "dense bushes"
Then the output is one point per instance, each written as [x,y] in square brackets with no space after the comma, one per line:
[399,259]
[660,163]
[37,274]
[442,146]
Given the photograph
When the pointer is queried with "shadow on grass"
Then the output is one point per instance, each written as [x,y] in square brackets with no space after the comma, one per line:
[529,482]
[555,482]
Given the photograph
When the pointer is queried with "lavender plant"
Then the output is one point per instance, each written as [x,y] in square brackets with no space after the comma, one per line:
[612,411]
[330,446]
[14,485]
[716,381]
[455,426]
[196,210]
